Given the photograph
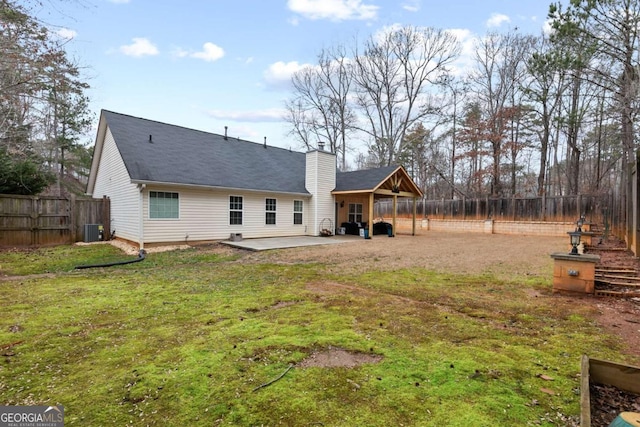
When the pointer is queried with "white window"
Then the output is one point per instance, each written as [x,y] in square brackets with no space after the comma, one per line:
[235,210]
[297,212]
[270,214]
[164,205]
[355,212]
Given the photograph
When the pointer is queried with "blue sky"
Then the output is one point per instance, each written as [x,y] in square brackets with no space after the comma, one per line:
[210,64]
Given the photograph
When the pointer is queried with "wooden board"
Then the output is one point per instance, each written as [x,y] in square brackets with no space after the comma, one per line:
[623,377]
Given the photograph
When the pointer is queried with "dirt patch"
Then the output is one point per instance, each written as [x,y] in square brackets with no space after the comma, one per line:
[334,357]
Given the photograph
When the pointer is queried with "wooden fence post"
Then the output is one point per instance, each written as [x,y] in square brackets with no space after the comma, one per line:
[73,227]
[579,205]
[488,210]
[34,220]
[464,207]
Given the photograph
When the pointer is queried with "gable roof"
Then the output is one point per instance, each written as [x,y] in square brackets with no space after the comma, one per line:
[156,152]
[367,179]
[382,181]
[163,153]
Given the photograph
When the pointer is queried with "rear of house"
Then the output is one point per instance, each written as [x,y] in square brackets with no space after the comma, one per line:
[169,184]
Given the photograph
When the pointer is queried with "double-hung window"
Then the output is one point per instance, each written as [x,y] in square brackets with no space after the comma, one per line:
[355,212]
[270,211]
[297,212]
[235,210]
[164,205]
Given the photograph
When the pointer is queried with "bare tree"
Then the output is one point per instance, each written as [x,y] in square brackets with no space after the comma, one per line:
[43,108]
[546,87]
[320,109]
[449,112]
[391,74]
[500,68]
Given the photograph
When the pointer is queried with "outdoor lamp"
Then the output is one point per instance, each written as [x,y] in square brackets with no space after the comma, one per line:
[575,241]
[580,223]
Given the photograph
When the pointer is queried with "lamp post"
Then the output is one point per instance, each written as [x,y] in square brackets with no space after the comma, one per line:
[575,241]
[580,223]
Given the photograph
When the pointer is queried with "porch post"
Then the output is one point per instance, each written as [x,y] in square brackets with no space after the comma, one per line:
[395,209]
[370,222]
[413,225]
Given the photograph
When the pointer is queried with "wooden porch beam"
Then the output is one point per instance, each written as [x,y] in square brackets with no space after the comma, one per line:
[391,193]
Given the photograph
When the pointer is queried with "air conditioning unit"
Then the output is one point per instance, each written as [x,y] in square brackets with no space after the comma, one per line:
[93,232]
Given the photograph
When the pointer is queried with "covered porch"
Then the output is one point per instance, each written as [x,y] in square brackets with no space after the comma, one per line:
[356,193]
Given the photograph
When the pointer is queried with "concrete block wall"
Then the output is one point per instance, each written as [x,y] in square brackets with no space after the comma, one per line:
[489,226]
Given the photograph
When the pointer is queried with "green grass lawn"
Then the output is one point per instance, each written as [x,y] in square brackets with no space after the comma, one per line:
[185,338]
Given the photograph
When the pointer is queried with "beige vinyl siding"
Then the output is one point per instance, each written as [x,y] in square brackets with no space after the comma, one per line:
[320,181]
[113,180]
[204,215]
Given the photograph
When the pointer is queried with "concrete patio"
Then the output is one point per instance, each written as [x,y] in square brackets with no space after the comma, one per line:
[289,242]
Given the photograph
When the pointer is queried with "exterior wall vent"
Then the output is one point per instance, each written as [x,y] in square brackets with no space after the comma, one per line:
[236,237]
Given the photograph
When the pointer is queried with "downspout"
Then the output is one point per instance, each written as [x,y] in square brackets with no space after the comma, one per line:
[141,188]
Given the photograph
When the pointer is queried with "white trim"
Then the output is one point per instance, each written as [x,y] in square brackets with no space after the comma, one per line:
[162,219]
[229,210]
[141,216]
[301,212]
[275,212]
[215,187]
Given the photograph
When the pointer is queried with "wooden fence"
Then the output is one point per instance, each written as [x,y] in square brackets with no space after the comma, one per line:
[43,221]
[604,210]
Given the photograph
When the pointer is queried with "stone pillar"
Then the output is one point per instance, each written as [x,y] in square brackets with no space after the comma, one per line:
[488,226]
[574,273]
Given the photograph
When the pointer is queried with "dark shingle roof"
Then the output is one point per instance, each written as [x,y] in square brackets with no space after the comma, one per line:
[180,155]
[362,179]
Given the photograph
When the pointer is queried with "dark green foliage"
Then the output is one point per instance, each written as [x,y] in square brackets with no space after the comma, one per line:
[43,110]
[24,175]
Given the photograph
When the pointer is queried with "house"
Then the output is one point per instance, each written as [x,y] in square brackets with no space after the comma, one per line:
[170,184]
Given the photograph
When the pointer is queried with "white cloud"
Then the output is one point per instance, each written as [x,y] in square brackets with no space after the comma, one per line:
[334,10]
[467,42]
[266,115]
[140,47]
[496,20]
[119,1]
[411,5]
[179,52]
[66,33]
[279,73]
[210,52]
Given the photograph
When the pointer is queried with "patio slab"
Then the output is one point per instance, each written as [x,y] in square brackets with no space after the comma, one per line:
[289,242]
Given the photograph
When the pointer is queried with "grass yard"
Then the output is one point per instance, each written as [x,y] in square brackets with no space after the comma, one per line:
[193,337]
